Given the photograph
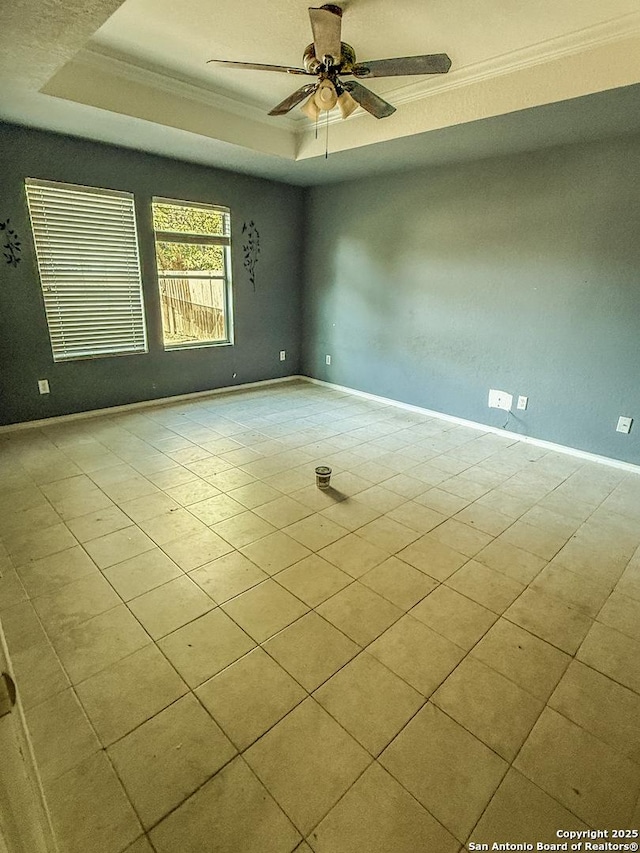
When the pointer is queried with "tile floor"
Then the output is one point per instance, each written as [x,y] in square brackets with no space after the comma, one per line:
[214,655]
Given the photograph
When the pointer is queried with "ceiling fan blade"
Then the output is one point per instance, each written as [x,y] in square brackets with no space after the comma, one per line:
[434,63]
[368,100]
[293,100]
[253,66]
[326,23]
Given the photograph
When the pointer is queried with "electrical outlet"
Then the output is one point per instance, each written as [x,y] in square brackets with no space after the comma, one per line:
[523,402]
[500,400]
[43,386]
[283,354]
[327,359]
[624,424]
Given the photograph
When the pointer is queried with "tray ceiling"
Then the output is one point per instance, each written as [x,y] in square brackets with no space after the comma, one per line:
[122,73]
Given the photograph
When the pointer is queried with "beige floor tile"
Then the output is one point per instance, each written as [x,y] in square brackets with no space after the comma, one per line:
[203,647]
[600,705]
[354,555]
[484,518]
[264,610]
[38,675]
[370,701]
[149,506]
[142,845]
[491,707]
[442,502]
[380,499]
[388,535]
[612,654]
[315,531]
[417,654]
[127,693]
[573,589]
[60,734]
[76,505]
[307,762]
[33,545]
[589,778]
[275,552]
[416,516]
[350,513]
[511,560]
[461,537]
[242,529]
[119,546]
[379,816]
[48,574]
[485,586]
[191,552]
[168,607]
[192,492]
[228,576]
[455,617]
[250,696]
[172,525]
[522,813]
[231,479]
[254,494]
[232,808]
[75,602]
[360,613]
[99,642]
[213,510]
[313,580]
[550,619]
[283,511]
[140,574]
[540,541]
[446,768]
[12,590]
[98,523]
[464,488]
[529,662]
[22,628]
[432,557]
[108,828]
[623,614]
[167,758]
[399,583]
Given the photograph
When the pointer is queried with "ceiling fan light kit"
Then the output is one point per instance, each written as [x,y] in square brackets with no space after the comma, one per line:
[329,59]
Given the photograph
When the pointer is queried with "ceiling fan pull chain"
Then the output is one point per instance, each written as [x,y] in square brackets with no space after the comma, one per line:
[317,115]
[326,144]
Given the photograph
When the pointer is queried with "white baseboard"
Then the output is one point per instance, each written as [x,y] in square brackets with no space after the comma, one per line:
[538,442]
[144,404]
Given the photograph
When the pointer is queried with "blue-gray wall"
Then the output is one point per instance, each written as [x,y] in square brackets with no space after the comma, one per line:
[520,273]
[266,321]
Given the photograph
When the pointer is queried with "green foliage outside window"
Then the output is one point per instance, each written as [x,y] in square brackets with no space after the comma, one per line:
[189,220]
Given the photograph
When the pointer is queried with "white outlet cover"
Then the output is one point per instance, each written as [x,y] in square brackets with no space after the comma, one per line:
[43,386]
[500,400]
[283,354]
[327,359]
[523,402]
[624,424]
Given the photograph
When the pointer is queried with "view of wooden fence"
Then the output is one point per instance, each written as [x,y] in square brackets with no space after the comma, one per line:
[192,310]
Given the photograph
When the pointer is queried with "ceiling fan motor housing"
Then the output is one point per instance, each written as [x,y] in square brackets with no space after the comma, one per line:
[343,65]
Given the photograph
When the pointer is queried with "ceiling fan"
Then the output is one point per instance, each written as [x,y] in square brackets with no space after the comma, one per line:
[330,59]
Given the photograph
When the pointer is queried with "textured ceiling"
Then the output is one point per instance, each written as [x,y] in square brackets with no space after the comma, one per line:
[135,74]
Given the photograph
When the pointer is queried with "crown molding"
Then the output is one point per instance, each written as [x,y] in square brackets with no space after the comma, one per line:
[588,38]
[102,61]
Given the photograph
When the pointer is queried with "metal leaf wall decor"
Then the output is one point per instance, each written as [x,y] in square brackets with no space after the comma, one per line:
[12,246]
[250,249]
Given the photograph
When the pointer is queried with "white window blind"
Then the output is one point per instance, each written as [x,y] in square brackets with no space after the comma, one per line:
[87,251]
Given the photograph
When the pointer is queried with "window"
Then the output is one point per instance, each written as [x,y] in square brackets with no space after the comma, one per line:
[192,254]
[87,251]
